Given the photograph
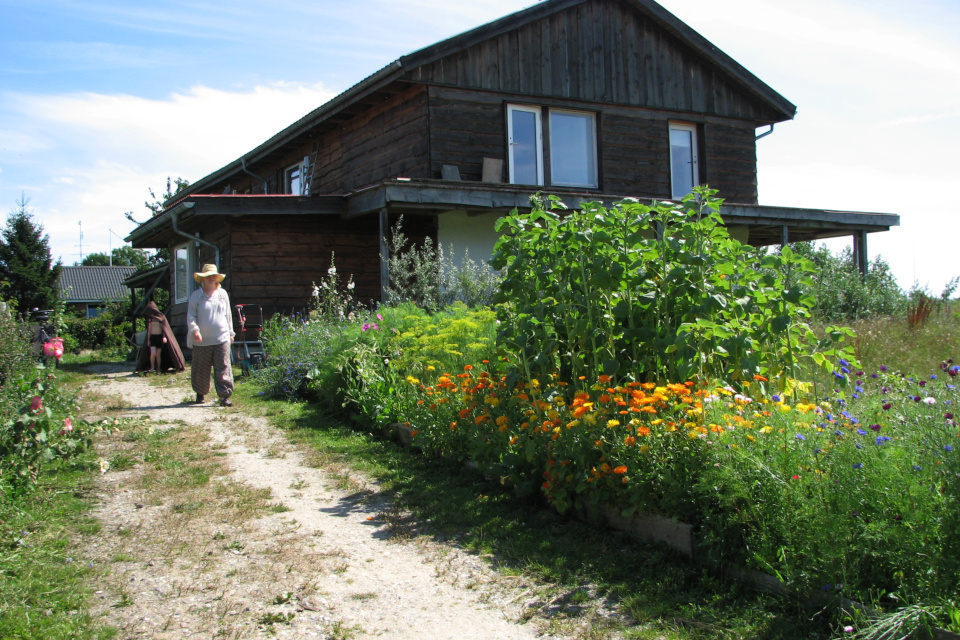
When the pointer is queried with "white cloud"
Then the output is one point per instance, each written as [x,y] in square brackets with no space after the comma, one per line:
[90,157]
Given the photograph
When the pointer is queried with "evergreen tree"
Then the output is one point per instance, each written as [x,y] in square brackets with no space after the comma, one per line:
[26,265]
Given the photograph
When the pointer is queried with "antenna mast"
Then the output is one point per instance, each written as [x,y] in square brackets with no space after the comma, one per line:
[80,224]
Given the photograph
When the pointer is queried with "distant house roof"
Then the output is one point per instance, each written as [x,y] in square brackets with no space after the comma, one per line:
[94,284]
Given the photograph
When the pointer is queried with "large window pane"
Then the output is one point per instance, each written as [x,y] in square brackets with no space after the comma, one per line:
[181,273]
[683,159]
[573,149]
[525,147]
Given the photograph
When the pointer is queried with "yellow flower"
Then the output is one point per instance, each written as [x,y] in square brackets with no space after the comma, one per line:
[559,401]
[412,380]
[430,367]
[613,423]
[572,424]
[590,419]
[766,430]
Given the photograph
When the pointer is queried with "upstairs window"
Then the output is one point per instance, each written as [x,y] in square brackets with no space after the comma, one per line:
[294,178]
[525,142]
[571,146]
[684,165]
[573,149]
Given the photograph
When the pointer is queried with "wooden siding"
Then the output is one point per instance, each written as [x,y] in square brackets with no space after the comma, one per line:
[275,263]
[603,51]
[634,154]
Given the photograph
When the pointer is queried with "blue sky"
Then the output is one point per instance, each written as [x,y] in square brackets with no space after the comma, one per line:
[100,101]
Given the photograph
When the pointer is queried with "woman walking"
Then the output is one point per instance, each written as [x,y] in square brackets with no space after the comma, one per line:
[209,334]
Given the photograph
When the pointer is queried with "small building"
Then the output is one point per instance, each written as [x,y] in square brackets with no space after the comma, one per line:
[88,289]
[589,100]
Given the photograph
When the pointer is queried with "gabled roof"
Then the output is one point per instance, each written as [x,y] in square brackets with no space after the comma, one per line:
[94,284]
[404,66]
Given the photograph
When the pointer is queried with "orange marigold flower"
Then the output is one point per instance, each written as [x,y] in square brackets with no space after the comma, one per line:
[605,468]
[468,367]
[463,413]
[760,378]
[643,431]
[597,443]
[604,398]
[629,441]
[622,469]
[604,379]
[689,383]
[649,385]
[513,439]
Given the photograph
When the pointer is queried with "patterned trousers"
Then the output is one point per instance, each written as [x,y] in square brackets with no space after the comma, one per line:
[217,356]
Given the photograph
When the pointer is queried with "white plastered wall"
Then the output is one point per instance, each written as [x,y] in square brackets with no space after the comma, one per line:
[473,234]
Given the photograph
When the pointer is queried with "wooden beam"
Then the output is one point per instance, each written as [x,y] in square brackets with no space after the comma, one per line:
[860,252]
[384,254]
[784,236]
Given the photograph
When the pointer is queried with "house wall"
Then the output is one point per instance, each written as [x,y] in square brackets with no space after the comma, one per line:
[634,155]
[602,52]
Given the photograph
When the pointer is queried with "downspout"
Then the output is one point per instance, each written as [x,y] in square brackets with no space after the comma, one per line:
[176,229]
[765,133]
[243,165]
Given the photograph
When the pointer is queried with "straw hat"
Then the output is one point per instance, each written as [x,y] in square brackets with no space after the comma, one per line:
[208,270]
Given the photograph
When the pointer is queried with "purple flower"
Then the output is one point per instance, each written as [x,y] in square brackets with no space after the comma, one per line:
[800,436]
[861,432]
[881,439]
[883,367]
[948,416]
[875,427]
[874,375]
[858,465]
[886,406]
[948,447]
[923,383]
[775,398]
[365,327]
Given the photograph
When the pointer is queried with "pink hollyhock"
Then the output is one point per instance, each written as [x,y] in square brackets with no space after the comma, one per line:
[35,404]
[67,424]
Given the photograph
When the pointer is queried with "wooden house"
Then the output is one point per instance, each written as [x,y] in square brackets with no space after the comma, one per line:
[586,99]
[88,289]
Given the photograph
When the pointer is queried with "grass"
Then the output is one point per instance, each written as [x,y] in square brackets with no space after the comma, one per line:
[658,593]
[43,579]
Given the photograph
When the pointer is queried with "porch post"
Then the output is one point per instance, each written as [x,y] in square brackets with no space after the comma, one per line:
[784,236]
[384,255]
[860,252]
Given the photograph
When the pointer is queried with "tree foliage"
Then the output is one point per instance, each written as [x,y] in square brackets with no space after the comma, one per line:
[122,257]
[843,294]
[26,266]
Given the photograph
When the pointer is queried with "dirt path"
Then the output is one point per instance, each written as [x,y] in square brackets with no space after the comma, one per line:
[267,546]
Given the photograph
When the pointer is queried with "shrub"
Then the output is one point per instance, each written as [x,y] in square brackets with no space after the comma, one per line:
[651,293]
[16,363]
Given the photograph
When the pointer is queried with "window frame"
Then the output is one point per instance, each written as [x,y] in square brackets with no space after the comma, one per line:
[592,117]
[288,179]
[187,274]
[538,115]
[692,129]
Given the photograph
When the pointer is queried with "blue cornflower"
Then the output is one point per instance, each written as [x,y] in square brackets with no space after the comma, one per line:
[874,375]
[800,436]
[846,414]
[861,432]
[838,375]
[845,369]
[933,376]
[837,432]
[859,446]
[948,447]
[775,398]
[881,439]
[826,587]
[917,467]
[844,363]
[858,465]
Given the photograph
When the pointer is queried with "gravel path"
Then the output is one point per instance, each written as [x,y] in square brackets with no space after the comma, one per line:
[324,564]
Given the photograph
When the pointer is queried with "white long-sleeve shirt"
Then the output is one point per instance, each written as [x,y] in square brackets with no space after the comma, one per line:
[211,315]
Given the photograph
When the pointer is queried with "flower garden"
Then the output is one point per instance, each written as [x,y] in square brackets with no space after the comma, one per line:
[637,357]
